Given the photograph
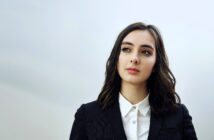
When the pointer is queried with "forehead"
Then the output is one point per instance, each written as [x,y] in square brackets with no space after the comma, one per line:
[140,37]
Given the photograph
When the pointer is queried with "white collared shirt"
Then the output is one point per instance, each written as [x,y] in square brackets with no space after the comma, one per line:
[136,118]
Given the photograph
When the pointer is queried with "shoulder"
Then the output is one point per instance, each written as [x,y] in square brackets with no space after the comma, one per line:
[178,116]
[91,106]
[89,110]
[181,116]
[83,121]
[187,124]
[181,110]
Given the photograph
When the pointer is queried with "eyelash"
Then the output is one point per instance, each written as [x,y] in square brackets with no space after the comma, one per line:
[128,50]
[146,52]
[125,49]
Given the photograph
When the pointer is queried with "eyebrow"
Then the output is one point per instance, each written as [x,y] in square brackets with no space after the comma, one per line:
[143,46]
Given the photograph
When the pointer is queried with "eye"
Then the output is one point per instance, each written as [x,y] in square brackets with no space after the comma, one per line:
[126,49]
[146,53]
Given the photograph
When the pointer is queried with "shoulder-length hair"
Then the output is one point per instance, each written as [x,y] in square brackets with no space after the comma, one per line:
[161,83]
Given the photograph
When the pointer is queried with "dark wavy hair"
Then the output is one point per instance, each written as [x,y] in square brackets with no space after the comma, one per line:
[161,83]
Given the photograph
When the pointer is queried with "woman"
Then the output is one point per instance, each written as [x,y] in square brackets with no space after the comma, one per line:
[138,100]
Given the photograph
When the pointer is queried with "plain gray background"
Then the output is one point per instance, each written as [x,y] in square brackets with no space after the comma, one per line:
[53,55]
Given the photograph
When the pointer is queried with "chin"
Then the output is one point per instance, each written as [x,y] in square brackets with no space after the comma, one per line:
[135,82]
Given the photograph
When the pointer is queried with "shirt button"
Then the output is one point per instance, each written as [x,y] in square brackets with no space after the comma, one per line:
[134,122]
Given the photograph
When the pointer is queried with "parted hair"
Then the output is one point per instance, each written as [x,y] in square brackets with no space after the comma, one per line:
[160,84]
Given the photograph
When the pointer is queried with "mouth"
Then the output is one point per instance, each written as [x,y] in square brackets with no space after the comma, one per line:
[132,70]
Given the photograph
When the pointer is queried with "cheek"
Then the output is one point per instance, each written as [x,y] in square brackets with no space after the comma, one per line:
[153,60]
[123,59]
[121,64]
[151,64]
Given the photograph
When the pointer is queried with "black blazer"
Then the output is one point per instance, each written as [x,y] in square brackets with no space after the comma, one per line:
[93,123]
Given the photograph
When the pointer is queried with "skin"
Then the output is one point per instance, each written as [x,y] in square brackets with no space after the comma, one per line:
[138,52]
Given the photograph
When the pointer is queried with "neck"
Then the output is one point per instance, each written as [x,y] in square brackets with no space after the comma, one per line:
[134,93]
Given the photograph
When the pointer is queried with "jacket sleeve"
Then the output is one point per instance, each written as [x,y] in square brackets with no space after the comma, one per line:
[78,131]
[188,128]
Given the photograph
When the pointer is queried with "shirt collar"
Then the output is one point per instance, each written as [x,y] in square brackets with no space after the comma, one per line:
[125,106]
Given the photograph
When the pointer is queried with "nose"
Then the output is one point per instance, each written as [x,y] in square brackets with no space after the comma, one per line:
[135,59]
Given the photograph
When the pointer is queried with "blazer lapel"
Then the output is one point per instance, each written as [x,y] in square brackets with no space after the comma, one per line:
[155,126]
[114,116]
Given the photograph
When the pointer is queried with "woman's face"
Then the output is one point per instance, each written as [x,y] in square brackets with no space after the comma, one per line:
[137,57]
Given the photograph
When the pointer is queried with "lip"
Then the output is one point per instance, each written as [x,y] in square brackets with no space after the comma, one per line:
[132,70]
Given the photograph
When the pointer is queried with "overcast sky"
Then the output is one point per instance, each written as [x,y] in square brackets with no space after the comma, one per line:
[53,55]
